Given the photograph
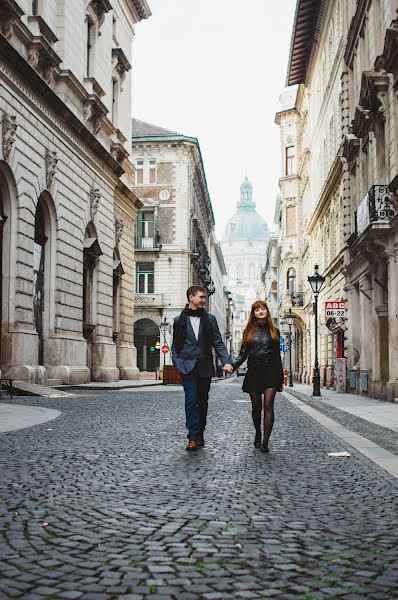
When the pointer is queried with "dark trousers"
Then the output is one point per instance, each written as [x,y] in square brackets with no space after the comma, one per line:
[196,390]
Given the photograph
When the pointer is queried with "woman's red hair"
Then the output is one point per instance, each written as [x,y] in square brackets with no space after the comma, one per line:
[249,331]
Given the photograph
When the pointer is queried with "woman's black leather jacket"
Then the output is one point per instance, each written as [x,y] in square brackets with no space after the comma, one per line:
[262,352]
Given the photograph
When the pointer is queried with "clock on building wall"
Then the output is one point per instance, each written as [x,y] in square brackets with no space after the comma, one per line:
[164,195]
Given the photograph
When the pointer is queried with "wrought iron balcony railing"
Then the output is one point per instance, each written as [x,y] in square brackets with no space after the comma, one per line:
[148,243]
[376,206]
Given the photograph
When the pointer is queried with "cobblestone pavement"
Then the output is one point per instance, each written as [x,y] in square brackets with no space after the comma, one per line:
[104,503]
[386,438]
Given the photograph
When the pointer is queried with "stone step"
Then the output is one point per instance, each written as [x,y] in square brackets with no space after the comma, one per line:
[54,382]
[26,388]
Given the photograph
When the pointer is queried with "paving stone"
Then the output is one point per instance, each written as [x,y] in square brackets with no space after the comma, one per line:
[226,522]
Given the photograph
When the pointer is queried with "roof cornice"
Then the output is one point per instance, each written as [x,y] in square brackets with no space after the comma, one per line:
[306,28]
[141,9]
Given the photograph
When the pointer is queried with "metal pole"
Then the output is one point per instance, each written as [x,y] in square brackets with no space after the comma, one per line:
[316,379]
[290,357]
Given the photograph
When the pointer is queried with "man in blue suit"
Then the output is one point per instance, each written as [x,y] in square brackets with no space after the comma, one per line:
[195,335]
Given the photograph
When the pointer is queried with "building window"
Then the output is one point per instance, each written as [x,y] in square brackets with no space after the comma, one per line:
[90,47]
[139,171]
[114,31]
[152,170]
[145,278]
[145,229]
[35,7]
[115,100]
[291,281]
[290,221]
[290,155]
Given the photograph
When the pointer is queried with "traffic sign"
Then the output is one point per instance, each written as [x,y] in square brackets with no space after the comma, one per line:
[286,348]
[157,345]
[165,349]
[151,348]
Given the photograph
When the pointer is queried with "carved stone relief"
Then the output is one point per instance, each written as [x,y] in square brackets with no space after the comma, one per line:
[119,226]
[9,134]
[95,197]
[51,161]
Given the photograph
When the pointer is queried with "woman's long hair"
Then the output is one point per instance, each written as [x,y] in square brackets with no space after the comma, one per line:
[249,331]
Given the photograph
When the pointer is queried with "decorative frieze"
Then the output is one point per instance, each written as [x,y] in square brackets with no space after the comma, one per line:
[43,58]
[51,161]
[9,134]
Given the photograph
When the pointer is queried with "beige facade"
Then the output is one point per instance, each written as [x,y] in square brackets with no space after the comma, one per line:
[65,180]
[345,115]
[175,245]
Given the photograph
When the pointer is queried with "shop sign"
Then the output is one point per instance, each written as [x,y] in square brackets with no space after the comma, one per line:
[334,309]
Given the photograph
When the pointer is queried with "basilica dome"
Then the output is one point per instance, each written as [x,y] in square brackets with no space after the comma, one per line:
[246,224]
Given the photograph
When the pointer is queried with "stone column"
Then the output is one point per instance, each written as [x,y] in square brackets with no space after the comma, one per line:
[392,385]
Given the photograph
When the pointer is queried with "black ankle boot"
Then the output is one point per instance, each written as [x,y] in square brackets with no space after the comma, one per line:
[264,448]
[257,440]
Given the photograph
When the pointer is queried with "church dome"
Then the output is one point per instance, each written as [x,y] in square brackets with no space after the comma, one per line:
[246,224]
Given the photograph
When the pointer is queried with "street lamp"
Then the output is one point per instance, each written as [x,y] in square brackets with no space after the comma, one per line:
[290,319]
[163,327]
[316,282]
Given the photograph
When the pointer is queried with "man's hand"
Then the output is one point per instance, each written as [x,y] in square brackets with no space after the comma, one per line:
[228,368]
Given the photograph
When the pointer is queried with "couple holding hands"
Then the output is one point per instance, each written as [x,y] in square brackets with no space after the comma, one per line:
[195,334]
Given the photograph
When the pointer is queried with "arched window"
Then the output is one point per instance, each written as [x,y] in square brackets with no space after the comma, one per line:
[91,253]
[291,281]
[38,276]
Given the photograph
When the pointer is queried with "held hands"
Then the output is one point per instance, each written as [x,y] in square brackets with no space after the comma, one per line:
[228,368]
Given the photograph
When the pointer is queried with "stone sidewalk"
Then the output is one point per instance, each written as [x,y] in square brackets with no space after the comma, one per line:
[380,412]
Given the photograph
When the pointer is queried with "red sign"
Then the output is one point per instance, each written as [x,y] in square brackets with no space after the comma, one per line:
[165,349]
[334,309]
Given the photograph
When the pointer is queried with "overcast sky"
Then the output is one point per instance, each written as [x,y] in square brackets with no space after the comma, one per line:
[214,69]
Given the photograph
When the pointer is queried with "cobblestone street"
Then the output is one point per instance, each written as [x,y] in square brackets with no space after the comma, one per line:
[105,503]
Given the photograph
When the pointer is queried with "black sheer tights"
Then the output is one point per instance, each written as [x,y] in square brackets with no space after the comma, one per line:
[269,396]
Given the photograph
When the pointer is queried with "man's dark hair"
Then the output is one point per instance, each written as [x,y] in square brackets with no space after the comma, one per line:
[194,289]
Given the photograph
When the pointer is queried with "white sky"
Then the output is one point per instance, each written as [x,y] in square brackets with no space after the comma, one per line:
[214,69]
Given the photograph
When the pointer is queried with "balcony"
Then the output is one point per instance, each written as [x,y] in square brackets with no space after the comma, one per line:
[376,207]
[148,243]
[148,300]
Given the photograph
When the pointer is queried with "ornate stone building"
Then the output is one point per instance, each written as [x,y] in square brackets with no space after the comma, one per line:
[244,247]
[66,205]
[344,60]
[175,245]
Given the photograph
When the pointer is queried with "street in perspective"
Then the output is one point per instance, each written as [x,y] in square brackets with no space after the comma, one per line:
[198,299]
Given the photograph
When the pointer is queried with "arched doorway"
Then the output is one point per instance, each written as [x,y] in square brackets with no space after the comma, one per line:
[146,334]
[91,254]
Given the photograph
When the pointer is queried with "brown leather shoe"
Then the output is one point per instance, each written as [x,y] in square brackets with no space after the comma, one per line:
[192,445]
[200,441]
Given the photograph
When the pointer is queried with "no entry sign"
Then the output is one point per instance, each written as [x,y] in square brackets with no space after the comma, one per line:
[165,349]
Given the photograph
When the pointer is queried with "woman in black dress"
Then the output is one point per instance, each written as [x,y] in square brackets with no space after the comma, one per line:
[260,347]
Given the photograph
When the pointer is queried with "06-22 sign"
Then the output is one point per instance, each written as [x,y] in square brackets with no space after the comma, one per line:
[334,309]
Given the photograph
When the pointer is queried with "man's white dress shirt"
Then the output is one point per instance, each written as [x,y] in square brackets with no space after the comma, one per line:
[195,322]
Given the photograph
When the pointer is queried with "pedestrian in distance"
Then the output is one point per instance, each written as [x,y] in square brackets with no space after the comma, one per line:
[264,377]
[195,334]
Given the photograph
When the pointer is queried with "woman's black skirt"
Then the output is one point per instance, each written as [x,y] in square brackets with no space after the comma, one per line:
[260,378]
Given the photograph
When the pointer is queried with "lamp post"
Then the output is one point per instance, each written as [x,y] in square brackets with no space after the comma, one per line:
[163,327]
[290,318]
[316,282]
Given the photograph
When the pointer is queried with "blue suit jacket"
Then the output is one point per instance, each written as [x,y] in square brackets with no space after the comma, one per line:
[195,350]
